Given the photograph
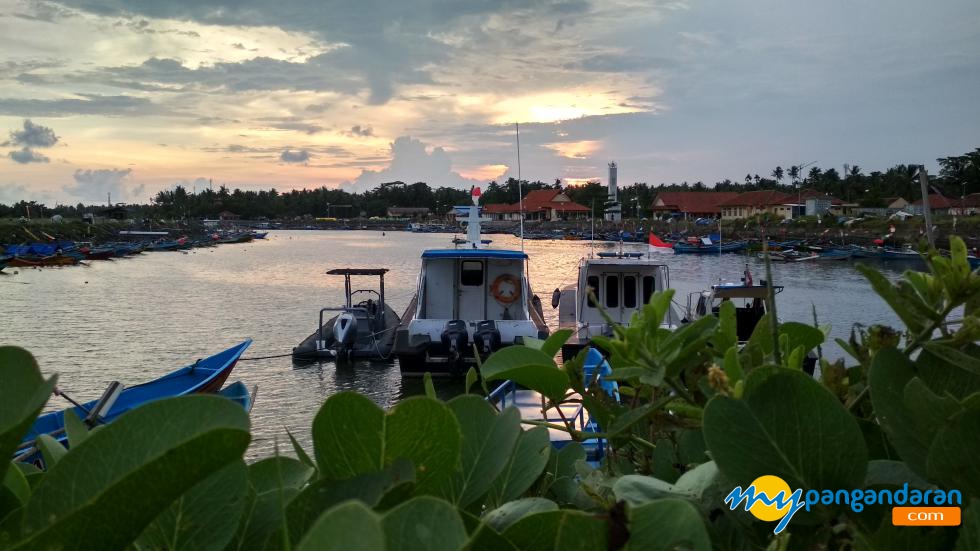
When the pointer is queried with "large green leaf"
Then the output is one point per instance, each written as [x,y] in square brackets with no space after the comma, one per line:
[953,456]
[104,493]
[512,511]
[205,517]
[353,436]
[527,367]
[789,426]
[667,524]
[891,371]
[347,527]
[348,436]
[525,465]
[488,444]
[887,472]
[969,536]
[22,395]
[562,478]
[425,432]
[424,524]
[316,498]
[274,482]
[563,530]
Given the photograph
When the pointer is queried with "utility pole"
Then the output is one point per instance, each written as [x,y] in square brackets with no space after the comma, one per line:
[926,211]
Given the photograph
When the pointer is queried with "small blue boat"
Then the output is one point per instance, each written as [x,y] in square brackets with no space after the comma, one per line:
[528,403]
[973,260]
[714,248]
[237,392]
[203,376]
[836,254]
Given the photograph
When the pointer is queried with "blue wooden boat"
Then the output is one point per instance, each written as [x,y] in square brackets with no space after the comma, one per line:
[529,404]
[836,254]
[714,248]
[237,392]
[203,376]
[973,260]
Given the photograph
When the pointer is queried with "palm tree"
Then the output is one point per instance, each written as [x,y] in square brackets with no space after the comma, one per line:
[778,174]
[855,171]
[748,178]
[794,173]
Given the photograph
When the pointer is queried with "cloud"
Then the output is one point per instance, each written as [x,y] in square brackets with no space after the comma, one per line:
[88,104]
[96,185]
[359,131]
[33,135]
[27,155]
[411,162]
[12,193]
[298,156]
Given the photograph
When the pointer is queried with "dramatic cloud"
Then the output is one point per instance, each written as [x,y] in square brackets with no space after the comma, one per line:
[26,155]
[298,156]
[33,135]
[410,162]
[97,185]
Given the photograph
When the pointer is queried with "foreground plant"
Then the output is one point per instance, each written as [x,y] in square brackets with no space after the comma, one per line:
[699,416]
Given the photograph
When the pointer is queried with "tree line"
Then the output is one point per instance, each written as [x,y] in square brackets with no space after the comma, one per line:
[958,176]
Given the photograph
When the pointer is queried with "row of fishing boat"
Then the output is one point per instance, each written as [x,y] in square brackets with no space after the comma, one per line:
[60,252]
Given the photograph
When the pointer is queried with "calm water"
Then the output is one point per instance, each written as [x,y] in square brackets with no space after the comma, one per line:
[136,319]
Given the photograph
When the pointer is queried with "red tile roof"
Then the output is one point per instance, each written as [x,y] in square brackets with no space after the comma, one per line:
[971,200]
[693,202]
[765,198]
[537,200]
[936,201]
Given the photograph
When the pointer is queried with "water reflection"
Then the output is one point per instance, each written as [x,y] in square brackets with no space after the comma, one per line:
[135,319]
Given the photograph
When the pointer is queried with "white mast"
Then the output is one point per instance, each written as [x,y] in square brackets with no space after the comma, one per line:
[520,192]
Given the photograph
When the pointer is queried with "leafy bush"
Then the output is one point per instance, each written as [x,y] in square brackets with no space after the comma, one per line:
[699,415]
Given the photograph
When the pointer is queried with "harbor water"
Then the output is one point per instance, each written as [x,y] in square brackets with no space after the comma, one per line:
[135,319]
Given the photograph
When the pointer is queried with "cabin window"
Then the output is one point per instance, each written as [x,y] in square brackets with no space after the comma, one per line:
[649,284]
[471,273]
[593,283]
[612,291]
[629,291]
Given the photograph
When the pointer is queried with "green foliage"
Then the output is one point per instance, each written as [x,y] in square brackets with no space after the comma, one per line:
[699,415]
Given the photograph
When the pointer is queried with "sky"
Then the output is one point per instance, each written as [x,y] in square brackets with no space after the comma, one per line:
[128,97]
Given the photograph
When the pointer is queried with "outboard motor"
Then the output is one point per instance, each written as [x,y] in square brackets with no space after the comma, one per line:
[454,338]
[486,336]
[345,332]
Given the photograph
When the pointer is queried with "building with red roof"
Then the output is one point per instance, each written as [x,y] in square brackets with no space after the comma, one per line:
[751,203]
[540,204]
[691,204]
[938,204]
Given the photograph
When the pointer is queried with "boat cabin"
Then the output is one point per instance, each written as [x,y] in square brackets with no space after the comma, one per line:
[751,303]
[621,285]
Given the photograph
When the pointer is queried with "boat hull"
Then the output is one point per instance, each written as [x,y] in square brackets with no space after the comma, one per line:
[366,347]
[203,377]
[682,248]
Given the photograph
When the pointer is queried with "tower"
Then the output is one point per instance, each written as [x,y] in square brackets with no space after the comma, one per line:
[613,208]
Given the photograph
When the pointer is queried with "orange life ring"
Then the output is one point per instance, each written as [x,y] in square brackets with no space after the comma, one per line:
[495,290]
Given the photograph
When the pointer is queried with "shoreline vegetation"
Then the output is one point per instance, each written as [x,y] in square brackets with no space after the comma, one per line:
[861,231]
[697,415]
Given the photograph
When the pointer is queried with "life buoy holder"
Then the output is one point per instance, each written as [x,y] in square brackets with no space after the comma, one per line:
[497,293]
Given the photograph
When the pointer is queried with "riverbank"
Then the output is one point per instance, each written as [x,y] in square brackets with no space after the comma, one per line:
[858,231]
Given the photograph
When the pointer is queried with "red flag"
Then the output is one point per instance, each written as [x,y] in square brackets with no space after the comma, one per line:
[656,245]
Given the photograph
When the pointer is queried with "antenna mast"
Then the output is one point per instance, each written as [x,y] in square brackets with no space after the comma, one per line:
[520,192]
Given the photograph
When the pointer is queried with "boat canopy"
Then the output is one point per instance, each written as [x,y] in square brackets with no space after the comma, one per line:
[472,253]
[358,271]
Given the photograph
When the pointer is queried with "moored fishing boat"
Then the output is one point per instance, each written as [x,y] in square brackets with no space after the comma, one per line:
[203,376]
[363,328]
[622,284]
[709,247]
[470,298]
